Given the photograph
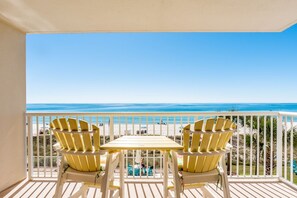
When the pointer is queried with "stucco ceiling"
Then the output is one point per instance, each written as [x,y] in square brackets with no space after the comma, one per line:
[56,16]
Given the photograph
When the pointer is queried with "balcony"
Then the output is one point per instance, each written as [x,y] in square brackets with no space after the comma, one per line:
[262,161]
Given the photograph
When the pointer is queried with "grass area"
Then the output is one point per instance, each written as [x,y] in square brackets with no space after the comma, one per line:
[261,171]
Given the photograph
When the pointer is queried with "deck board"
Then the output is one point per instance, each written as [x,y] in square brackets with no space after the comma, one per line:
[155,189]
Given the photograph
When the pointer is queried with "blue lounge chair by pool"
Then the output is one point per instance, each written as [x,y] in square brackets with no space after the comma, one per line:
[295,167]
[137,168]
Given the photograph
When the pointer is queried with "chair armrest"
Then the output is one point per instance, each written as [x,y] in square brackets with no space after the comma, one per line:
[228,148]
[57,146]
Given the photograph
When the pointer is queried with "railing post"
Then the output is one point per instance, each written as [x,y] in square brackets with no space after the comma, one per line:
[111,128]
[279,146]
[30,147]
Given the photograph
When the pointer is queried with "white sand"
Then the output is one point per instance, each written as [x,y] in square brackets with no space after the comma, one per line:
[156,129]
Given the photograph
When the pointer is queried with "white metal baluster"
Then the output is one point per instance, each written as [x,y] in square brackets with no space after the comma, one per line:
[97,122]
[174,128]
[258,145]
[133,133]
[147,165]
[167,125]
[264,160]
[251,147]
[146,122]
[44,148]
[271,145]
[58,153]
[230,154]
[104,124]
[111,128]
[139,122]
[161,164]
[127,159]
[161,123]
[90,120]
[126,125]
[154,130]
[140,172]
[30,147]
[279,146]
[181,126]
[154,162]
[37,142]
[286,148]
[51,148]
[120,127]
[291,151]
[237,157]
[244,145]
[133,163]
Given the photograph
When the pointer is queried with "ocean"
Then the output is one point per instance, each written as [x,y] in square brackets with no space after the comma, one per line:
[162,107]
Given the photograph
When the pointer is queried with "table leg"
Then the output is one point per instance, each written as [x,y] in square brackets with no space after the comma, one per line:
[122,171]
[165,174]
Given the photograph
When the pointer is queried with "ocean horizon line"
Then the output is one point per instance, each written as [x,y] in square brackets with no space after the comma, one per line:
[164,103]
[160,107]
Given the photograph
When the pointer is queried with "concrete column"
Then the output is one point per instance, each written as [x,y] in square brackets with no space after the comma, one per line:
[12,105]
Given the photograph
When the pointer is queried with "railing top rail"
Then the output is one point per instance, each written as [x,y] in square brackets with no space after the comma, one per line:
[288,113]
[233,113]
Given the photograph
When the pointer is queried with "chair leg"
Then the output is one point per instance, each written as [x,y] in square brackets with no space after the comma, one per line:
[59,187]
[106,177]
[122,170]
[104,187]
[165,174]
[115,193]
[226,186]
[111,192]
[85,191]
[61,180]
[206,192]
[225,182]
[170,194]
[177,184]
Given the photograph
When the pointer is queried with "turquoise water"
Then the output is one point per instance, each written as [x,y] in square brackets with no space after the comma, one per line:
[162,107]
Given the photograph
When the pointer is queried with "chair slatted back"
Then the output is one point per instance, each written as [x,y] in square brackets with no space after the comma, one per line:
[77,137]
[207,138]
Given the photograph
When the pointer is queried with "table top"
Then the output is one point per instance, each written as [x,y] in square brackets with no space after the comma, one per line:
[142,143]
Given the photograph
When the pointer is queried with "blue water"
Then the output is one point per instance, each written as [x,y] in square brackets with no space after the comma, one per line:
[162,107]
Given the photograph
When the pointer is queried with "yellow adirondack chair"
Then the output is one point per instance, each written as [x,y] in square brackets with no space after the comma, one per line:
[82,160]
[202,160]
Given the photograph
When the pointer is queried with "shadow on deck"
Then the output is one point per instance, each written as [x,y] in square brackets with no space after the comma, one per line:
[148,189]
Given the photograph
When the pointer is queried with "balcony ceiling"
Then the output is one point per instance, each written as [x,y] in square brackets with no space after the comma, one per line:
[57,16]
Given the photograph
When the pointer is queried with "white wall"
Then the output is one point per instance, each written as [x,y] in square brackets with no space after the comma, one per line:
[12,105]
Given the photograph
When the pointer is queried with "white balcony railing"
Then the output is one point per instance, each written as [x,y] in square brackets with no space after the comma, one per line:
[264,146]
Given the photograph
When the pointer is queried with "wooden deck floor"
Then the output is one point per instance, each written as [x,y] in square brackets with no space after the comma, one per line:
[136,189]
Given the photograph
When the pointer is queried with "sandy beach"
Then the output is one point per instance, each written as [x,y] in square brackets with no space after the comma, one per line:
[149,129]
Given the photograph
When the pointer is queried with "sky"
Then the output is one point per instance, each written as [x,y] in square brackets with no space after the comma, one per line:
[162,67]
